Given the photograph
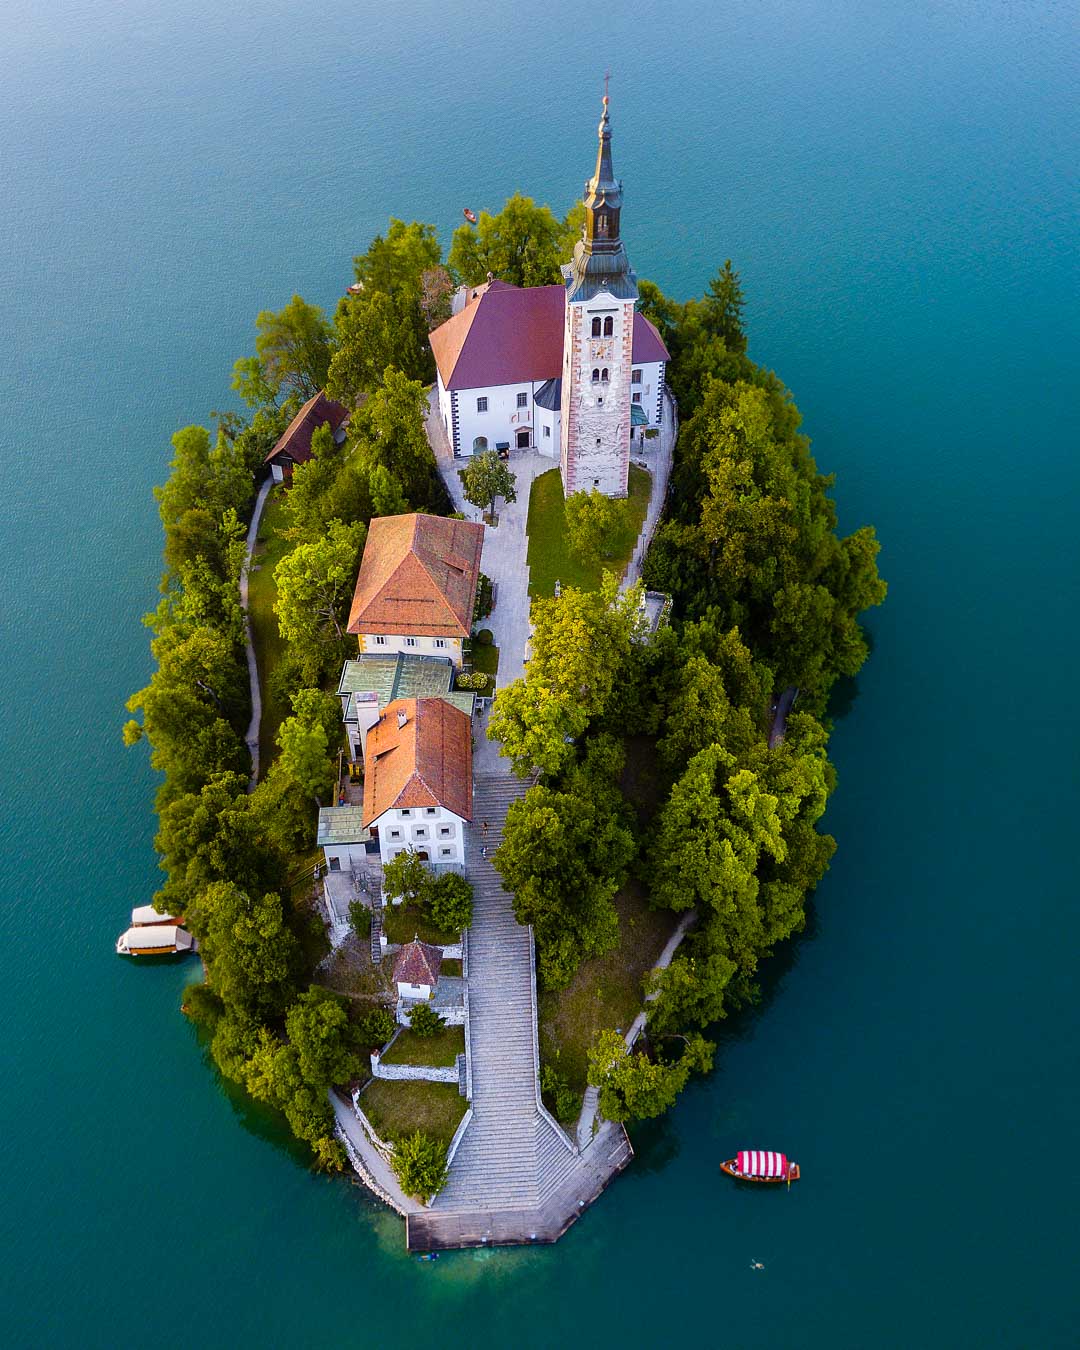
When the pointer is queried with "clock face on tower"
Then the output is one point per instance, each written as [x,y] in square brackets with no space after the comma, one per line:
[603,351]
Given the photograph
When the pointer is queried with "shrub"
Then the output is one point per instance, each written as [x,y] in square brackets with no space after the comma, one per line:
[376,1027]
[562,1099]
[409,877]
[360,920]
[475,679]
[484,594]
[202,1005]
[425,1021]
[485,637]
[419,1163]
[451,902]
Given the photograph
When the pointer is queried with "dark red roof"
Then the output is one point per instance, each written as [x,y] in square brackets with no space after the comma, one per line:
[417,963]
[296,439]
[510,335]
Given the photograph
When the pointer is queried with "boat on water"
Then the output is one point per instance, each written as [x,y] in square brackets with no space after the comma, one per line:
[146,916]
[758,1165]
[158,939]
[470,216]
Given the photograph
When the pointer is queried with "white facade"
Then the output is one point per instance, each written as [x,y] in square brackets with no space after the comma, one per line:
[436,833]
[472,427]
[596,394]
[344,857]
[416,991]
[385,644]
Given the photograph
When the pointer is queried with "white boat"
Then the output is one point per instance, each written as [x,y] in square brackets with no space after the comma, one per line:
[154,940]
[143,916]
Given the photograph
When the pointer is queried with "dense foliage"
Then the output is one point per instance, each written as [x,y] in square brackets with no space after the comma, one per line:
[419,1164]
[229,848]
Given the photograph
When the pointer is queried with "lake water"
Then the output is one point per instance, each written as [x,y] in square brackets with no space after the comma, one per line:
[896,183]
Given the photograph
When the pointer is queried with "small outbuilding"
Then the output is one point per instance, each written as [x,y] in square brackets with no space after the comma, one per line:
[416,970]
[294,446]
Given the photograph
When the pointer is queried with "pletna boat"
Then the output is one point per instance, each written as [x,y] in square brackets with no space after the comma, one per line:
[470,216]
[759,1165]
[146,916]
[157,939]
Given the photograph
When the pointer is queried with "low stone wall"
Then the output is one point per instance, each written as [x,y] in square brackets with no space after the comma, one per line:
[413,1073]
[453,1017]
[383,1147]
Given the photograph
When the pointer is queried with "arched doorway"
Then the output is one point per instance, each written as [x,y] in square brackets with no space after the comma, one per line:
[479,445]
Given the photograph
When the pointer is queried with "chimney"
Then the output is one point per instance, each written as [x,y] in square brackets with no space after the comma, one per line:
[402,718]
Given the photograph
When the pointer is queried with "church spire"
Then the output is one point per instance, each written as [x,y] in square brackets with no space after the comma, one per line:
[600,261]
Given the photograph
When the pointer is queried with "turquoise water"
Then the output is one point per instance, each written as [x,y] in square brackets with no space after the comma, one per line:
[896,184]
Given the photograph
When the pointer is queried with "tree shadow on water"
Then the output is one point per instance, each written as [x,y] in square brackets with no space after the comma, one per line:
[656,1144]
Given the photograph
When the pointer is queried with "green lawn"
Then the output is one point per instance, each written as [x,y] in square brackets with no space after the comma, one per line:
[451,966]
[400,1108]
[485,658]
[401,923]
[550,559]
[438,1051]
[270,548]
[606,992]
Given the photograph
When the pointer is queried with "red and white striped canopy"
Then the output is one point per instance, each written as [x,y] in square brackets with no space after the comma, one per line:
[755,1163]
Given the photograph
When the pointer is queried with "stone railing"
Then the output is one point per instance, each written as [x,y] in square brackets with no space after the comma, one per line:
[541,1108]
[459,1134]
[468,1050]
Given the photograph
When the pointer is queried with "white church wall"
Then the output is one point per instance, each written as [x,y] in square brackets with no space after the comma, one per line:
[501,420]
[596,416]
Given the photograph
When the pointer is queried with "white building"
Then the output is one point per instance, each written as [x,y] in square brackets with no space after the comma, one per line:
[417,586]
[572,371]
[343,838]
[416,970]
[418,780]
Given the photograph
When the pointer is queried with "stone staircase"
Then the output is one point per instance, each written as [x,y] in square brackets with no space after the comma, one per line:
[512,1157]
[375,892]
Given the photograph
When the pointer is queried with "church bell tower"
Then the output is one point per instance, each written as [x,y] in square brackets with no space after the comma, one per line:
[601,291]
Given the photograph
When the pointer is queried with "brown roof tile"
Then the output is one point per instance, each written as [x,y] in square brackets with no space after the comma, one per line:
[418,963]
[295,441]
[425,761]
[513,335]
[418,577]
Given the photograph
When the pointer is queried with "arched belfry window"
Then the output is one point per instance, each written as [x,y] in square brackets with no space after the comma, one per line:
[601,225]
[604,375]
[609,326]
[596,327]
[596,377]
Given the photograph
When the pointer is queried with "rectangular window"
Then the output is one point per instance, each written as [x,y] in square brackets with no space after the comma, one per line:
[440,642]
[431,810]
[445,831]
[420,832]
[523,400]
[446,853]
[406,813]
[380,641]
[335,864]
[395,834]
[481,405]
[547,431]
[636,377]
[410,642]
[637,398]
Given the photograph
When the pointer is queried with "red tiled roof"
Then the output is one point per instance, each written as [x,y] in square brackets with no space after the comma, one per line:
[426,761]
[513,335]
[417,963]
[295,441]
[418,577]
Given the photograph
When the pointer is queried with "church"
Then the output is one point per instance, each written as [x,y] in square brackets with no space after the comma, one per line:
[571,371]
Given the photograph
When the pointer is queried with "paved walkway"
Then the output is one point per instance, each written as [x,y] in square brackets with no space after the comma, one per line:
[252,738]
[658,461]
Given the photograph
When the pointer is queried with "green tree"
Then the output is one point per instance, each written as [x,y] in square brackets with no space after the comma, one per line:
[387,498]
[306,743]
[524,244]
[398,261]
[634,1087]
[451,902]
[594,524]
[724,305]
[375,331]
[325,1042]
[564,855]
[389,430]
[692,990]
[251,954]
[419,1164]
[376,1027]
[581,644]
[293,354]
[486,477]
[314,588]
[406,878]
[425,1021]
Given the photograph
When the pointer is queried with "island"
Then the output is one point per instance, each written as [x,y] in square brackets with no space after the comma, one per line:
[494,656]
